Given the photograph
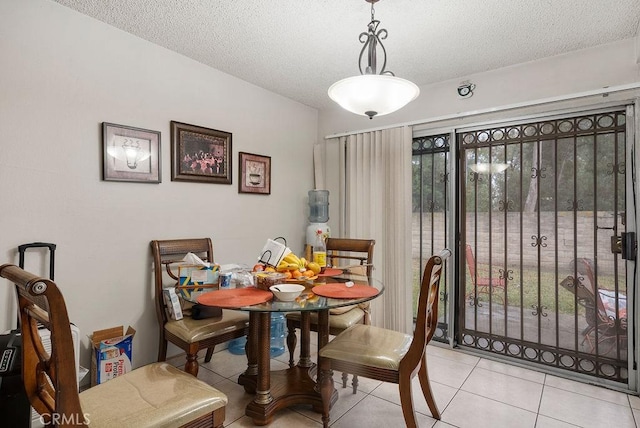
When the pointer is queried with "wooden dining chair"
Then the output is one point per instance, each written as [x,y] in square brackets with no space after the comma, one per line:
[481,284]
[155,395]
[356,255]
[189,334]
[388,355]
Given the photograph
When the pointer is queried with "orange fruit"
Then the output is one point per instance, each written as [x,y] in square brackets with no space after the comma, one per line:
[296,273]
[308,273]
[287,275]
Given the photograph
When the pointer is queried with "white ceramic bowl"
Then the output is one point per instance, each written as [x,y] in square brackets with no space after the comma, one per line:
[286,292]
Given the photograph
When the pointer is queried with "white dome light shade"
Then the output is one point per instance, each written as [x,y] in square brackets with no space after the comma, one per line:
[373,94]
[488,168]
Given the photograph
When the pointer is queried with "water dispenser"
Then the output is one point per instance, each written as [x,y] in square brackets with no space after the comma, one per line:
[318,215]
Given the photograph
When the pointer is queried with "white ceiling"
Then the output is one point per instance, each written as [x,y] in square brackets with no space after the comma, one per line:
[298,48]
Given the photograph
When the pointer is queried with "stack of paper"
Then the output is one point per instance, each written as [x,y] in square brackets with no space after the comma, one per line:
[273,252]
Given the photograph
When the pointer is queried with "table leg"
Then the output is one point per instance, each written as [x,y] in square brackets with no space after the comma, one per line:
[249,377]
[292,341]
[261,408]
[323,328]
[325,374]
[252,345]
[263,392]
[305,340]
[283,388]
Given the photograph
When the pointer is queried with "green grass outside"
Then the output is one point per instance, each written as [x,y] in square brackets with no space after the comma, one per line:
[523,287]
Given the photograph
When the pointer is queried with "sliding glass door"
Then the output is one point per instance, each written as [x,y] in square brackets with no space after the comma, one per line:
[540,214]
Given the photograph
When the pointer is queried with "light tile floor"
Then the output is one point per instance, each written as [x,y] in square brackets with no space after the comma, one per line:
[470,392]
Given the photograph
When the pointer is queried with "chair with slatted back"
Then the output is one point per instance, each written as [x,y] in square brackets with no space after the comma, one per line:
[605,311]
[189,334]
[482,284]
[387,355]
[356,256]
[155,395]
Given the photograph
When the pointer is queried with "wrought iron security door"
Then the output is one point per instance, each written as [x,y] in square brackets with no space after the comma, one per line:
[430,216]
[541,205]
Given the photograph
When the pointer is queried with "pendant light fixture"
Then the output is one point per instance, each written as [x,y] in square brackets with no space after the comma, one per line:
[373,93]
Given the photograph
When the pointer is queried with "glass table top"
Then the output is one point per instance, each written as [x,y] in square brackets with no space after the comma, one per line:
[309,301]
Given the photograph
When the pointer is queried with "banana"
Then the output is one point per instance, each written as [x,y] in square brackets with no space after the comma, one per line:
[291,258]
[293,262]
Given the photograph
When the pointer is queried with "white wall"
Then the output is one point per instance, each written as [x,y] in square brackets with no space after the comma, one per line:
[61,75]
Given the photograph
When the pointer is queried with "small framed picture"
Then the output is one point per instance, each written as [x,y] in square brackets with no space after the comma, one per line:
[255,174]
[130,154]
[200,154]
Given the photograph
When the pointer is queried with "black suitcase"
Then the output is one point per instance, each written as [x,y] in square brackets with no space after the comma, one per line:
[15,409]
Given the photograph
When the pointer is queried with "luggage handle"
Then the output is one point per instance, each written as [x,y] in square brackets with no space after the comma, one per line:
[52,249]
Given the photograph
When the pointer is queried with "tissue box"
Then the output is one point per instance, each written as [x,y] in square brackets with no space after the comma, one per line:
[191,276]
[173,303]
[112,351]
[198,275]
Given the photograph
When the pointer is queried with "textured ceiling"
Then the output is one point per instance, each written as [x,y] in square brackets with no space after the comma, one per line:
[298,48]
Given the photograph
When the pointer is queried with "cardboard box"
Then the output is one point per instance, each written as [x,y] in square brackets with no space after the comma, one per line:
[173,303]
[112,351]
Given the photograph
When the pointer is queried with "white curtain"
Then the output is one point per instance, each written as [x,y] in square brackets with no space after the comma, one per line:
[374,172]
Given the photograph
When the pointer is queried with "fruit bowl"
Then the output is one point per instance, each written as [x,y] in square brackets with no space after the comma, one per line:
[302,279]
[264,280]
[286,292]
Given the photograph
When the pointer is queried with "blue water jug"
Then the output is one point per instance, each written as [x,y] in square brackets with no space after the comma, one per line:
[236,346]
[278,326]
[277,334]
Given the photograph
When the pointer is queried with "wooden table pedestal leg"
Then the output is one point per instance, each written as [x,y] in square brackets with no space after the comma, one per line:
[263,393]
[324,384]
[284,388]
[249,377]
[305,340]
[259,409]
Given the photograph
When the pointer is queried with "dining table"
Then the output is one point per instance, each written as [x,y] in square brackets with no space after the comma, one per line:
[300,383]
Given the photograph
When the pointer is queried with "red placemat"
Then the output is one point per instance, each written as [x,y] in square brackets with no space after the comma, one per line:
[331,272]
[235,297]
[340,291]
